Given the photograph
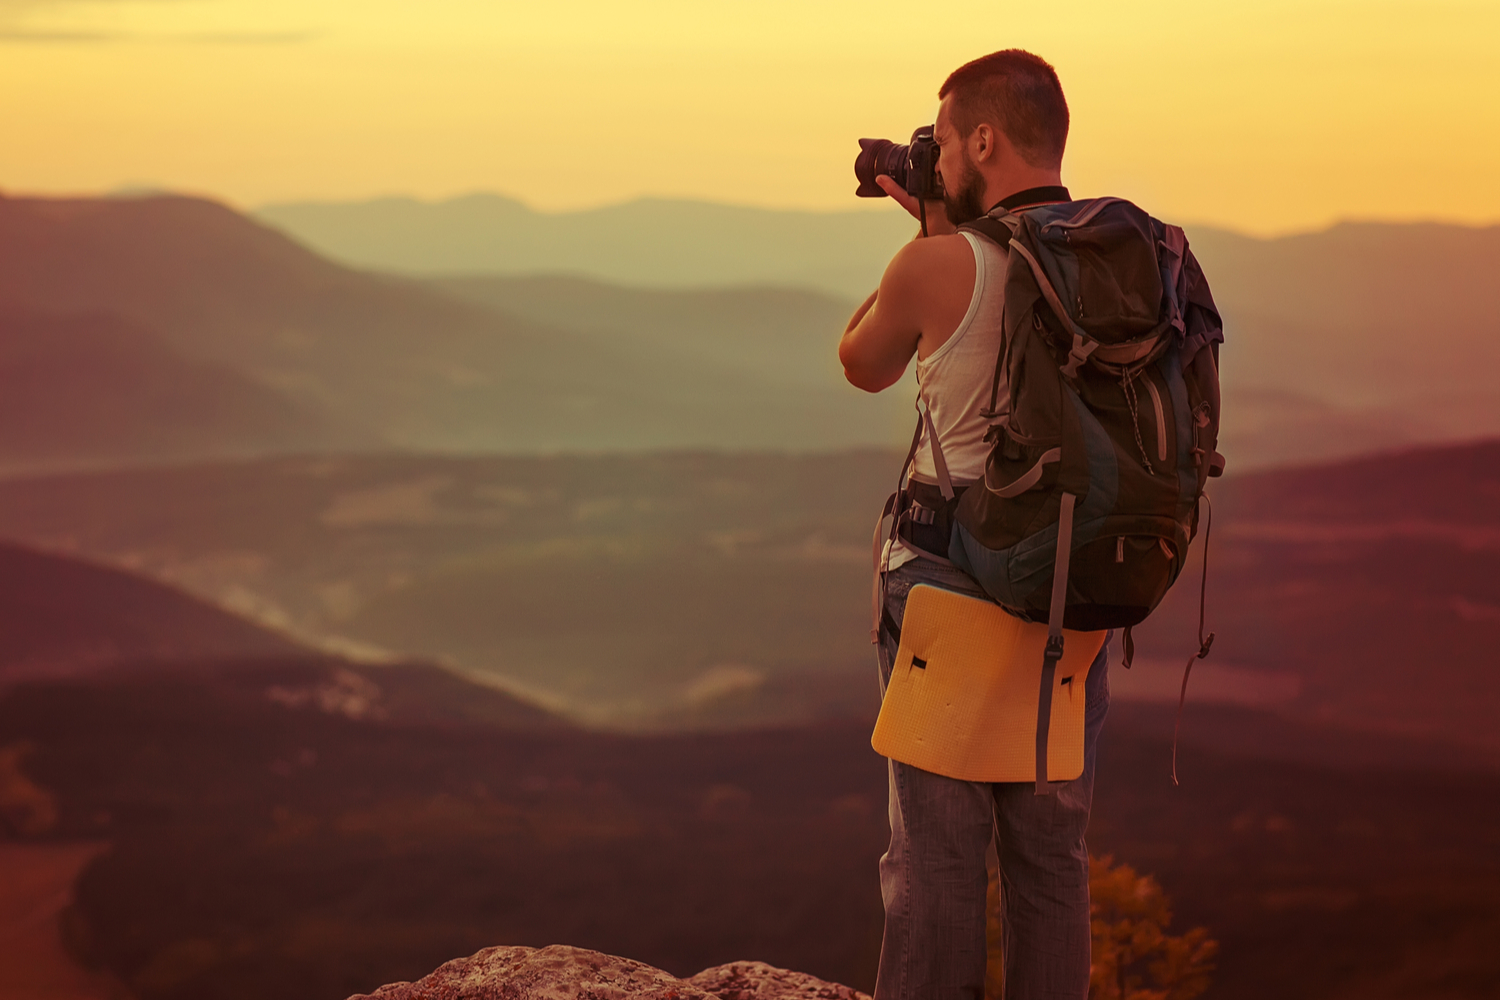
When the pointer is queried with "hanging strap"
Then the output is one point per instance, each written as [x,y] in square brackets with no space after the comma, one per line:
[945,482]
[1054,651]
[1204,645]
[877,581]
[894,509]
[880,544]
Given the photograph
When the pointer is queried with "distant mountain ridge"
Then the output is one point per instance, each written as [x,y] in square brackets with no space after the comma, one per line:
[1360,337]
[1363,338]
[651,241]
[1366,315]
[94,387]
[1369,583]
[63,617]
[784,335]
[397,362]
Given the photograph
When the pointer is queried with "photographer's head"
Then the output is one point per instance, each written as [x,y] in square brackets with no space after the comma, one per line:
[1001,128]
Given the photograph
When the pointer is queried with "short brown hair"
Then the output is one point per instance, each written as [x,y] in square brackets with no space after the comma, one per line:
[1018,93]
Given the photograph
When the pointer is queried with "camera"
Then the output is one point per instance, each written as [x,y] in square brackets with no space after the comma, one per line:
[913,166]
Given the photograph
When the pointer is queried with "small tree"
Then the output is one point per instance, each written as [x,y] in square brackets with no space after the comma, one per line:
[1130,914]
[1134,958]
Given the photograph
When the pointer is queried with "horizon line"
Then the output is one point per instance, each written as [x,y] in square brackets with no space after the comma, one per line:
[131,191]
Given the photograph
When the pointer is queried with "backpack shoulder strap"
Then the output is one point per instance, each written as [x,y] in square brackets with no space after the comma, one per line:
[993,228]
[998,229]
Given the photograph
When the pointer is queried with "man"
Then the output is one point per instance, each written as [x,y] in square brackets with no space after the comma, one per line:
[1001,128]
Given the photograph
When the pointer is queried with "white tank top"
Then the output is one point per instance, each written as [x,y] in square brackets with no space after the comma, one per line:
[956,378]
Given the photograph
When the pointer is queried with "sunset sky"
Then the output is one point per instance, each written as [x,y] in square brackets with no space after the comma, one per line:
[1263,116]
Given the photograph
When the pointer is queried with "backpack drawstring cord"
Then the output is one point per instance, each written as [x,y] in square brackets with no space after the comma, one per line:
[1204,645]
[1132,403]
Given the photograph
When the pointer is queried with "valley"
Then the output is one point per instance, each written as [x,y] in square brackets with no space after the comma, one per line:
[698,591]
[306,828]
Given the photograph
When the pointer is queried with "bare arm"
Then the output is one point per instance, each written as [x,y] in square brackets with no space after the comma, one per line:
[920,302]
[886,331]
[859,313]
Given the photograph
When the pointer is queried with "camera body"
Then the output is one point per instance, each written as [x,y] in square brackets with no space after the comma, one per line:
[913,166]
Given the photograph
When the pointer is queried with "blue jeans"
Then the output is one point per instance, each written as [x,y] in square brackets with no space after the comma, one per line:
[933,877]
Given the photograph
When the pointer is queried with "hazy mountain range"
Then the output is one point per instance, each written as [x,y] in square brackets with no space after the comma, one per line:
[369,359]
[118,316]
[1321,326]
[96,387]
[654,242]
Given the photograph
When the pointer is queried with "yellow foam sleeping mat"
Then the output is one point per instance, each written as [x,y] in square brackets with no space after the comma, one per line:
[963,695]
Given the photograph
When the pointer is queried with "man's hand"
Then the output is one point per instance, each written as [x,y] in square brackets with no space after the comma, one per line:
[937,218]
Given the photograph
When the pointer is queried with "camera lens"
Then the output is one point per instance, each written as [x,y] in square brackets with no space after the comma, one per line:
[876,157]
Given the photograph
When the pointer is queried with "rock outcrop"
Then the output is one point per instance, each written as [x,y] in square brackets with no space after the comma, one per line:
[559,972]
[759,981]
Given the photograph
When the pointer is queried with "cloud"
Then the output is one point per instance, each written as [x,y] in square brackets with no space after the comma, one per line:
[43,37]
[17,27]
[34,4]
[722,681]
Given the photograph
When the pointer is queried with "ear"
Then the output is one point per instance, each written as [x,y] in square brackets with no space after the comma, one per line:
[982,144]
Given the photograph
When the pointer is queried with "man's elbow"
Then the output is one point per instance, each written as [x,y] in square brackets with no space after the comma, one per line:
[856,379]
[865,368]
[866,378]
[853,370]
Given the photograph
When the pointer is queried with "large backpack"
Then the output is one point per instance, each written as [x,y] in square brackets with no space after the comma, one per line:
[1105,420]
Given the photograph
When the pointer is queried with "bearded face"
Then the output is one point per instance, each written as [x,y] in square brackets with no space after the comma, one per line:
[963,195]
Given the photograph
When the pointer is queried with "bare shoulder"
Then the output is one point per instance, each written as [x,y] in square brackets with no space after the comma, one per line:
[933,280]
[935,267]
[933,257]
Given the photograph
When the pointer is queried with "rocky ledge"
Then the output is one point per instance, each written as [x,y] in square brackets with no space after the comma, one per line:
[559,972]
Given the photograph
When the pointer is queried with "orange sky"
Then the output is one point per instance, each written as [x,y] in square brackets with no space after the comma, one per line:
[1266,117]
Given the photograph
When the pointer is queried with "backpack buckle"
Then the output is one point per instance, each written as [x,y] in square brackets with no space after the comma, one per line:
[1054,651]
[1078,354]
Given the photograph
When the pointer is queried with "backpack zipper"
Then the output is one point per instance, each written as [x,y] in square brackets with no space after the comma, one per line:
[1161,420]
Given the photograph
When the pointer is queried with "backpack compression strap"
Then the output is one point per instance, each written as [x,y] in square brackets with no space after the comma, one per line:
[1054,651]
